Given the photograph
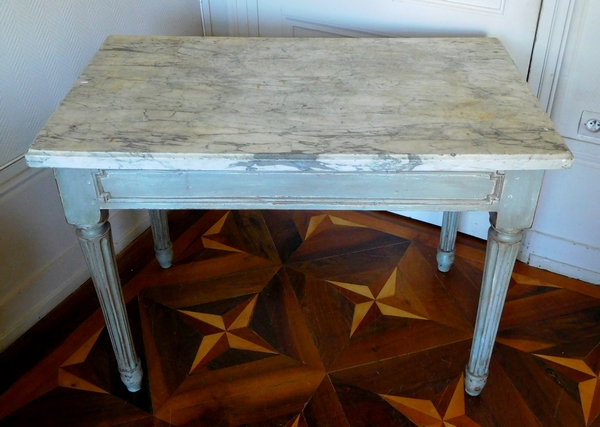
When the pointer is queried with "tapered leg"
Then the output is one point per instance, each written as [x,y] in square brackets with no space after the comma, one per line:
[97,246]
[500,258]
[447,247]
[162,241]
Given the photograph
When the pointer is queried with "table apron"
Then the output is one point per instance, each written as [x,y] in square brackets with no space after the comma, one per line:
[440,191]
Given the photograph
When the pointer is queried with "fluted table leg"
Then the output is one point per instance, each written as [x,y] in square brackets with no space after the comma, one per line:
[502,249]
[447,247]
[97,246]
[162,240]
[515,211]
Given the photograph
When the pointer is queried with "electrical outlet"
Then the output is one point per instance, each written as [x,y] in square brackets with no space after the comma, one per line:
[593,125]
[589,125]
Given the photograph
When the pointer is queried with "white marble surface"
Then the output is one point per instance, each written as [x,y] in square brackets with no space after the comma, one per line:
[185,103]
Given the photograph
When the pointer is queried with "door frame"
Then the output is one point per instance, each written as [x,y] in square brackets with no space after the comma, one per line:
[549,48]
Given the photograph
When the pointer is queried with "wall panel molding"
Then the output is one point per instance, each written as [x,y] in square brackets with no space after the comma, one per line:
[307,26]
[495,7]
[243,18]
[586,159]
[15,174]
[582,262]
[586,153]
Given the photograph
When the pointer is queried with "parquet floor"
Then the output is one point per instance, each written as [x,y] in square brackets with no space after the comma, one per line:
[323,319]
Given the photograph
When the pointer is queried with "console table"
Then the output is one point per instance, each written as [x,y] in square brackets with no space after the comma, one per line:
[163,123]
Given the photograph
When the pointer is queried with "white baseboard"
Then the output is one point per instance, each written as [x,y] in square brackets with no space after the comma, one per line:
[471,223]
[561,256]
[38,297]
[564,257]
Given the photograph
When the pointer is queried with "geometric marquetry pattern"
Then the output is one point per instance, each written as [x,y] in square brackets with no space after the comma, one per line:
[229,331]
[371,302]
[302,318]
[584,371]
[580,371]
[447,410]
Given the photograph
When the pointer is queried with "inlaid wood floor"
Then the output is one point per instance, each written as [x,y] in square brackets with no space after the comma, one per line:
[323,319]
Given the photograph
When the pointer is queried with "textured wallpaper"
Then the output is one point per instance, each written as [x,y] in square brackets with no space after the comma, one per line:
[45,45]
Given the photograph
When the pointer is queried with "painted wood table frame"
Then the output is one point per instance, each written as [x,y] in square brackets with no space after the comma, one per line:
[162,123]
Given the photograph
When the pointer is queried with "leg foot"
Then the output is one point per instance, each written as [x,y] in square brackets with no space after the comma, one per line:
[500,258]
[133,379]
[97,246]
[473,383]
[447,247]
[162,241]
[445,260]
[164,257]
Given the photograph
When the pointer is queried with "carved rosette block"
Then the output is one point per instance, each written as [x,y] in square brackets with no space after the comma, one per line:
[502,249]
[447,247]
[162,240]
[97,246]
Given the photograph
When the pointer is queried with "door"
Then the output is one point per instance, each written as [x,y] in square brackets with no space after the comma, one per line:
[514,22]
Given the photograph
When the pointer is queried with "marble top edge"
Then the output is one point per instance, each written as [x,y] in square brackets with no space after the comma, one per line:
[299,162]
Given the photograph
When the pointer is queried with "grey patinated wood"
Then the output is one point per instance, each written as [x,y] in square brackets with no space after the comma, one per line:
[160,234]
[293,190]
[447,247]
[502,249]
[515,213]
[97,246]
[171,123]
[93,232]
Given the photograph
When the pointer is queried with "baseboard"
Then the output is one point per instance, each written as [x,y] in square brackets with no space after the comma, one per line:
[474,224]
[561,256]
[38,297]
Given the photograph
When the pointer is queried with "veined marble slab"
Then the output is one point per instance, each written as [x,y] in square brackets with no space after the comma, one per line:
[187,103]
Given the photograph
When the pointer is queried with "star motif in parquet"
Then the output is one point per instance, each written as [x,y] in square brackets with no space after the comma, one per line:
[297,421]
[585,372]
[227,331]
[447,410]
[212,239]
[301,319]
[319,223]
[572,367]
[69,374]
[372,302]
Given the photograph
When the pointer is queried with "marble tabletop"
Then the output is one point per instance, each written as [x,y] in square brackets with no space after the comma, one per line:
[287,104]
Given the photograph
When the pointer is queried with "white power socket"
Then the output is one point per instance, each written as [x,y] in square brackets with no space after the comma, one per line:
[589,125]
[593,125]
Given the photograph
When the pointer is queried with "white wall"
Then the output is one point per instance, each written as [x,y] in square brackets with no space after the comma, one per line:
[566,234]
[44,46]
